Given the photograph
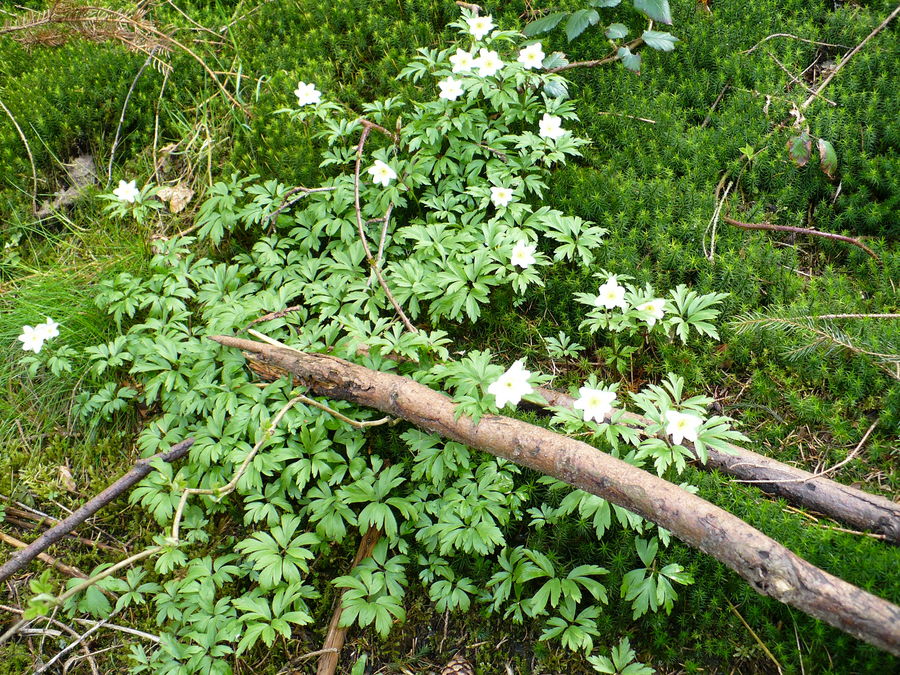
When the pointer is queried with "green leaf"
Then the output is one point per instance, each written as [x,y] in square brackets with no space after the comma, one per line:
[545,23]
[658,10]
[604,3]
[616,31]
[579,21]
[555,60]
[631,61]
[664,42]
[800,148]
[827,158]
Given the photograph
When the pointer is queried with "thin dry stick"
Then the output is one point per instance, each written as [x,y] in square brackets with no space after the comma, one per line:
[856,316]
[64,628]
[81,638]
[57,532]
[156,162]
[801,230]
[848,56]
[87,583]
[367,127]
[288,203]
[334,639]
[714,222]
[797,80]
[611,58]
[33,522]
[112,152]
[789,35]
[708,118]
[631,117]
[43,557]
[34,206]
[755,636]
[831,469]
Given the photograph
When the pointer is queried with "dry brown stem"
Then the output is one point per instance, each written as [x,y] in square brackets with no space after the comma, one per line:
[766,565]
[801,230]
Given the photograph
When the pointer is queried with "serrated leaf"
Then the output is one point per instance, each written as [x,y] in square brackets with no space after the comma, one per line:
[556,89]
[658,10]
[616,31]
[827,158]
[579,21]
[664,42]
[555,60]
[631,61]
[545,23]
[800,148]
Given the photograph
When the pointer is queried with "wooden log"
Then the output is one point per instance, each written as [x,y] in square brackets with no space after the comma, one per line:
[770,568]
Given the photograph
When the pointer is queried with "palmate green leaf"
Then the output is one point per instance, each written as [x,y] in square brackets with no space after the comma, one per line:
[544,24]
[579,21]
[658,10]
[664,42]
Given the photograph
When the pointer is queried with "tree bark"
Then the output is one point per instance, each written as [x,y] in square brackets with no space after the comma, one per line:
[843,503]
[141,468]
[766,565]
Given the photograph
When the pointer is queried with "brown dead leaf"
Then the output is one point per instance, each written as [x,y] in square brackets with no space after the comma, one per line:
[65,477]
[177,196]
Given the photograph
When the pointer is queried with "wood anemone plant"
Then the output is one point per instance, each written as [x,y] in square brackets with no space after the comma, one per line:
[770,568]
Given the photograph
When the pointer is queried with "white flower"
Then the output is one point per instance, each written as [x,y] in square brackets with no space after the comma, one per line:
[550,126]
[381,173]
[462,61]
[451,89]
[512,385]
[531,56]
[488,62]
[611,295]
[307,94]
[479,26]
[595,403]
[127,192]
[523,254]
[501,196]
[48,330]
[682,426]
[32,339]
[656,309]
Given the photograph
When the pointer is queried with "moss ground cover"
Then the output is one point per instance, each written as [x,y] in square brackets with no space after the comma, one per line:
[652,185]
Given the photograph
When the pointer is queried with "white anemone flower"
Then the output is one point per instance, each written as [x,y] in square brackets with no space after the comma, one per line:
[451,89]
[596,403]
[550,126]
[531,56]
[307,94]
[501,196]
[656,309]
[611,295]
[32,339]
[512,385]
[682,426]
[382,173]
[49,329]
[488,62]
[462,61]
[523,255]
[127,191]
[479,26]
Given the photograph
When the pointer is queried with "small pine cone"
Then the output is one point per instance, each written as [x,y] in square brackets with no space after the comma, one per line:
[459,665]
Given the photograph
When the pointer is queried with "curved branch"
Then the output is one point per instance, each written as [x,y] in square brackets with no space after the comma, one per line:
[611,58]
[801,230]
[770,568]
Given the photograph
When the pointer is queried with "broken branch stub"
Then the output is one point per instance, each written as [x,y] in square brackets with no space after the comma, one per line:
[770,568]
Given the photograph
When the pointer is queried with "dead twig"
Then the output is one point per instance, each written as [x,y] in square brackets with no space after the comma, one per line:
[334,639]
[849,55]
[141,468]
[797,80]
[612,57]
[34,207]
[789,35]
[801,230]
[43,557]
[112,152]
[712,108]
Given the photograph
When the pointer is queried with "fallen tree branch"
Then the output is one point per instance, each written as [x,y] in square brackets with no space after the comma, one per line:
[141,468]
[770,568]
[611,58]
[823,495]
[843,503]
[334,639]
[73,572]
[801,230]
